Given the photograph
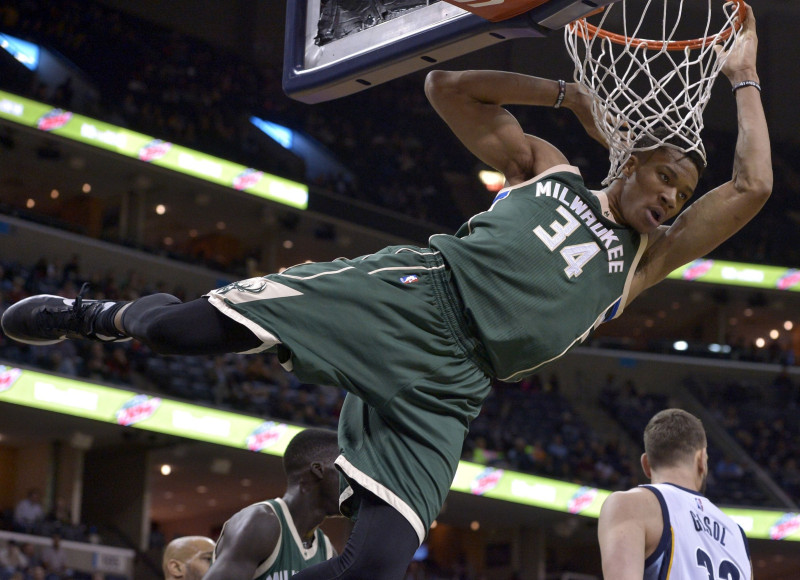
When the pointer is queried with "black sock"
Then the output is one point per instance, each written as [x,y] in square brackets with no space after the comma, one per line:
[104,322]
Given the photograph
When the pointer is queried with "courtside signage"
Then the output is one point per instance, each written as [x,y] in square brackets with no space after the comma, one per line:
[150,150]
[738,274]
[143,411]
[505,485]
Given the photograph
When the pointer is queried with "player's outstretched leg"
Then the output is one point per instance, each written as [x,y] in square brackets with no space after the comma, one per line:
[161,321]
[47,319]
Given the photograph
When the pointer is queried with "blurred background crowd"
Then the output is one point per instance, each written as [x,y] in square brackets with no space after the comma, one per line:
[391,143]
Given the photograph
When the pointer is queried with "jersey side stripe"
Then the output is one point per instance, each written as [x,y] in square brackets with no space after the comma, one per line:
[671,553]
[285,275]
[404,269]
[666,544]
[577,340]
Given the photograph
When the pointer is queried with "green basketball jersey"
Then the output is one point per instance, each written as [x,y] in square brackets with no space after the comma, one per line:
[289,556]
[540,269]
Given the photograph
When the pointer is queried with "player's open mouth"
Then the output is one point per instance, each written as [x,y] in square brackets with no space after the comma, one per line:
[655,216]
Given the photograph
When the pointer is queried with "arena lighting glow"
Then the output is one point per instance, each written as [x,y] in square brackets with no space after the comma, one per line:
[680,345]
[493,180]
[283,135]
[25,52]
[118,406]
[166,469]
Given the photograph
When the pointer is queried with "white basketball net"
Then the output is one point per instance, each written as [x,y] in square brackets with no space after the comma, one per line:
[637,89]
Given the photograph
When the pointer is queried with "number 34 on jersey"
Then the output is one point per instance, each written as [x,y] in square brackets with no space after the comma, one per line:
[572,215]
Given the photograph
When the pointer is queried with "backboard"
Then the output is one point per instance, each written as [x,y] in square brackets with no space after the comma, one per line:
[335,48]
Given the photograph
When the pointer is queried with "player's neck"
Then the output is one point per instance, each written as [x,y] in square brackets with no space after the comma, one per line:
[303,513]
[684,478]
[613,194]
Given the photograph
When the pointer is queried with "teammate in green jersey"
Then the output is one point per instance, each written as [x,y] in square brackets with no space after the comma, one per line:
[274,539]
[416,334]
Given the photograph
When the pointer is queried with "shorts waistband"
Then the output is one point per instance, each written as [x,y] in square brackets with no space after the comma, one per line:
[453,309]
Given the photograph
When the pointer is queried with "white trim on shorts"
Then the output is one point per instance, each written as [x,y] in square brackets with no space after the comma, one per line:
[267,338]
[382,492]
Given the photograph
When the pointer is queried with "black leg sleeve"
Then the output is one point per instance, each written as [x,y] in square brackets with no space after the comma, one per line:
[169,326]
[380,547]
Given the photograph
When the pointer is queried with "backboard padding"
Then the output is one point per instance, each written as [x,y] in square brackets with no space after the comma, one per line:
[416,40]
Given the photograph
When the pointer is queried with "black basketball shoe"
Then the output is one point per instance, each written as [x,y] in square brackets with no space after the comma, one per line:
[47,319]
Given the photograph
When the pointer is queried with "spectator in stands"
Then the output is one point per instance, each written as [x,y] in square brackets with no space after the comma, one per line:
[54,560]
[557,449]
[29,513]
[59,521]
[187,558]
[12,559]
[157,539]
[520,456]
[790,477]
[783,390]
[727,468]
[33,561]
[482,455]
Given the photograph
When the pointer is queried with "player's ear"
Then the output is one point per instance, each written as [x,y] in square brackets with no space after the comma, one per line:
[175,568]
[317,469]
[701,460]
[630,166]
[646,466]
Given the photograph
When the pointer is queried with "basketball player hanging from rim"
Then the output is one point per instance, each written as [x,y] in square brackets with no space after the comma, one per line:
[416,335]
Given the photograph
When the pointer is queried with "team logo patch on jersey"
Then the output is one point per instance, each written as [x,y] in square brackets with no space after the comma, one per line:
[581,499]
[409,279]
[699,504]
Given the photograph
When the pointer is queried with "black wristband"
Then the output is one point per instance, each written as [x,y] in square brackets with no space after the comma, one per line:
[562,91]
[743,84]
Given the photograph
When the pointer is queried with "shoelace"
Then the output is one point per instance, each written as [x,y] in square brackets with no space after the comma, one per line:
[74,319]
[79,298]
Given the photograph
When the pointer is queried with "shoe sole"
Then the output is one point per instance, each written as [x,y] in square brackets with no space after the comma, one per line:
[32,341]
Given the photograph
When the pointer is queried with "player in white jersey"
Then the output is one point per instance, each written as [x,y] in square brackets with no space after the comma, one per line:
[668,530]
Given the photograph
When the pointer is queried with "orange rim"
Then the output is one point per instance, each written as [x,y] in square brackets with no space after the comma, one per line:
[589,31]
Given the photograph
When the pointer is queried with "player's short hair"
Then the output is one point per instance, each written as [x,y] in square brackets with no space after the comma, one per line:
[664,135]
[673,436]
[308,446]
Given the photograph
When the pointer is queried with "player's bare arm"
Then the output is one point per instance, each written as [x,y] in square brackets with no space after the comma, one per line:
[629,529]
[251,535]
[723,211]
[472,104]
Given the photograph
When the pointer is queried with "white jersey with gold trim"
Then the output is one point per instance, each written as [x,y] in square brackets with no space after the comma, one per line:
[699,541]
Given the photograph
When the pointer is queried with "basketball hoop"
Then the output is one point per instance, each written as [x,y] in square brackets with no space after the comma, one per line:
[644,78]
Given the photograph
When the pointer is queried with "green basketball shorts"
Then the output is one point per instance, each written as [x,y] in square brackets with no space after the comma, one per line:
[387,327]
